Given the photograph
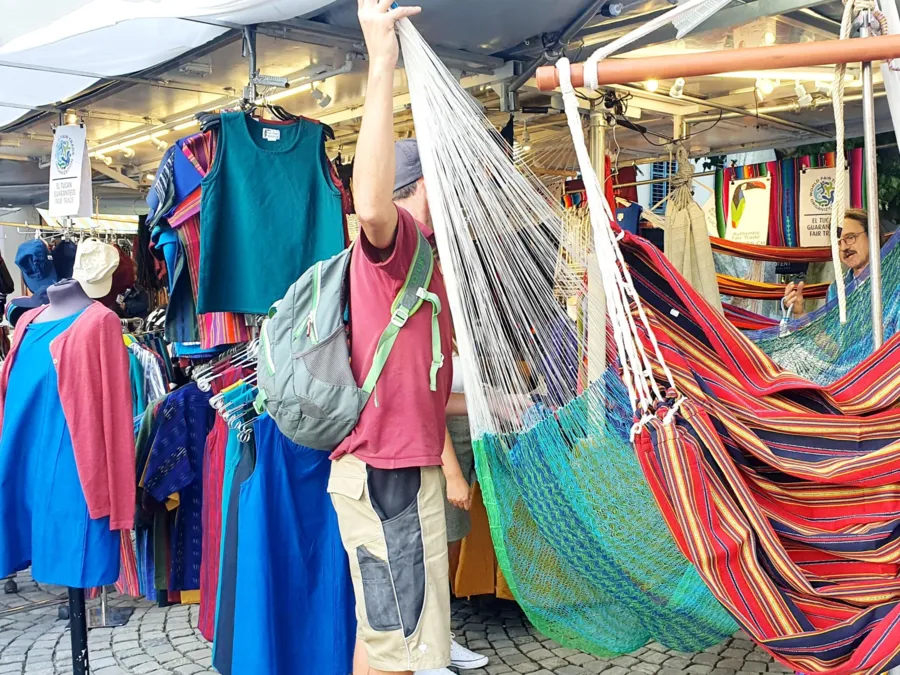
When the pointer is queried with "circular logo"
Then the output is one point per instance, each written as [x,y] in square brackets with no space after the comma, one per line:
[822,193]
[65,153]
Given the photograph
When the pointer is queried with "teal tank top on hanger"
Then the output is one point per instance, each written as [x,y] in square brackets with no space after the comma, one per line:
[269,210]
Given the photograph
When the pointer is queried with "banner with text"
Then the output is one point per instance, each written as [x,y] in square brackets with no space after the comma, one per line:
[748,216]
[815,198]
[70,173]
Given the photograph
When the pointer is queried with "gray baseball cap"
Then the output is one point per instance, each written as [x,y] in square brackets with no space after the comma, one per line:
[407,165]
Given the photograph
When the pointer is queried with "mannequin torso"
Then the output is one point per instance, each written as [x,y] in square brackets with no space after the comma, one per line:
[66,298]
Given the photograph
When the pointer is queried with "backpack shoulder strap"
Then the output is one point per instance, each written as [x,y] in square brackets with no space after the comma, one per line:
[410,298]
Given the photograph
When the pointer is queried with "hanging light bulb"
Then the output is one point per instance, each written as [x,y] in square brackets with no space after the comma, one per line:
[526,140]
[677,90]
[651,85]
[764,87]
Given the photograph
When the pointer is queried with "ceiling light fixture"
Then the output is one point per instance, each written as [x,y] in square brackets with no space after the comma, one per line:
[651,85]
[677,89]
[159,144]
[825,88]
[769,38]
[323,99]
[764,87]
[103,158]
[293,91]
[186,125]
[803,97]
[526,139]
[128,152]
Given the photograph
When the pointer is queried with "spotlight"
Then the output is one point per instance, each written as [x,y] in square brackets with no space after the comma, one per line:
[803,97]
[324,100]
[128,153]
[103,158]
[825,88]
[159,144]
[764,87]
[677,90]
[651,85]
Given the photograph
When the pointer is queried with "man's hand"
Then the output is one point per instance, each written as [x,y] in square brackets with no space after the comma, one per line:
[378,22]
[793,299]
[458,492]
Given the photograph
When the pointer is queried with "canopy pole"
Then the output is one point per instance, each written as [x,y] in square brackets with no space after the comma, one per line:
[776,57]
[865,31]
[597,312]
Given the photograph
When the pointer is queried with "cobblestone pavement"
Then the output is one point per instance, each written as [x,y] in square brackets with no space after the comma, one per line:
[165,641]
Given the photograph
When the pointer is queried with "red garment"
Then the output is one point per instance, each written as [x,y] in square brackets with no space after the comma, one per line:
[403,424]
[213,484]
[95,391]
[626,174]
[123,278]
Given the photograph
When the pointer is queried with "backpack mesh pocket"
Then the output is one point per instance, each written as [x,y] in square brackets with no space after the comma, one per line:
[327,362]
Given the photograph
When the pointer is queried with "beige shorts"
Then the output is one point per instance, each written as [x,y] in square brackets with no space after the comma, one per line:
[398,562]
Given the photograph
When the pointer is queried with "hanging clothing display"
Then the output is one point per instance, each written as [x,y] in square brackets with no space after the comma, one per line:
[269,210]
[69,475]
[240,459]
[296,605]
[175,465]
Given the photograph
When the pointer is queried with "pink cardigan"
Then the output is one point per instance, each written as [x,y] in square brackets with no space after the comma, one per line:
[95,390]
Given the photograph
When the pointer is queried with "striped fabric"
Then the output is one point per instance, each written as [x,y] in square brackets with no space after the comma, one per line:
[745,319]
[771,253]
[216,328]
[762,290]
[783,493]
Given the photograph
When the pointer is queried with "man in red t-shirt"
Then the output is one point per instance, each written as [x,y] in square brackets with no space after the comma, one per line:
[386,476]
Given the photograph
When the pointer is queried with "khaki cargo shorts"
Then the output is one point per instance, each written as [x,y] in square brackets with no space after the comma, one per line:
[398,562]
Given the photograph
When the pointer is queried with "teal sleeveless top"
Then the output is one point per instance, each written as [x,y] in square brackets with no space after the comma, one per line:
[269,210]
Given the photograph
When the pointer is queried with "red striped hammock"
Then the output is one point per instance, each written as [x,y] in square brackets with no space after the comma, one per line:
[783,493]
[761,290]
[745,319]
[771,253]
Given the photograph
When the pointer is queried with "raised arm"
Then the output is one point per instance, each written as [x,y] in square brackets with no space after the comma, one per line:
[373,172]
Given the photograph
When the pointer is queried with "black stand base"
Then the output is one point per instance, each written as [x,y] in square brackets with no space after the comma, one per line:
[78,630]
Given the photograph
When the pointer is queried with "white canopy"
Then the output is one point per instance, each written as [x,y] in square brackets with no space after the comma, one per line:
[110,37]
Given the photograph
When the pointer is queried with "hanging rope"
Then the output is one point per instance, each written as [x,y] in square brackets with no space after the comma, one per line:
[852,10]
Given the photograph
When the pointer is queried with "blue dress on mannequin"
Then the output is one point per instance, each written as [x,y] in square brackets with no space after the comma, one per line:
[44,520]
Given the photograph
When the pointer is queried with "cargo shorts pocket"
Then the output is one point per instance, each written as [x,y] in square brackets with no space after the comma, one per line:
[382,612]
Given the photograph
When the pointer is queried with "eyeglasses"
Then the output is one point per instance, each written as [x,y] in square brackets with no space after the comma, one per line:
[850,239]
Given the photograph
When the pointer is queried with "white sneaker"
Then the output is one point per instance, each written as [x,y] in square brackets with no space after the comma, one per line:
[465,659]
[439,671]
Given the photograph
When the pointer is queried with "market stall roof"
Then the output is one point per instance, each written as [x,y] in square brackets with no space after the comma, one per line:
[161,61]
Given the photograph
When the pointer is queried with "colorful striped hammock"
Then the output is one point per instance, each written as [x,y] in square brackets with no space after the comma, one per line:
[783,493]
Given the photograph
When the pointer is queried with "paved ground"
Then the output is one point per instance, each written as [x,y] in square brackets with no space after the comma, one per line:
[165,642]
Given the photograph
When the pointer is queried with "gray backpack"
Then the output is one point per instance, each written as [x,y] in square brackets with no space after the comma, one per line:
[305,382]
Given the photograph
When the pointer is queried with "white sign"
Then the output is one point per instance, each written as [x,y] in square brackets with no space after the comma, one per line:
[748,210]
[815,199]
[70,173]
[711,217]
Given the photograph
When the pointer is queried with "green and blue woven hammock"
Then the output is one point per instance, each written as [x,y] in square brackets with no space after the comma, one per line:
[821,349]
[580,539]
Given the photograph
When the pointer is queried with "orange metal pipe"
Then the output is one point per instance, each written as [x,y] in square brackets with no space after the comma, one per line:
[776,57]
